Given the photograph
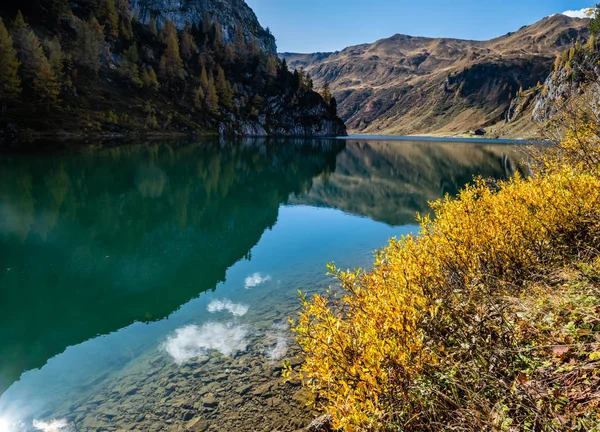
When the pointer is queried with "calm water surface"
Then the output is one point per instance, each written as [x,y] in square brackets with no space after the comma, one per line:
[148,286]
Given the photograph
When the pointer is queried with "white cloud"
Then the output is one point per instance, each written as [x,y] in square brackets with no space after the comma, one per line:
[255,280]
[582,13]
[235,309]
[52,426]
[192,341]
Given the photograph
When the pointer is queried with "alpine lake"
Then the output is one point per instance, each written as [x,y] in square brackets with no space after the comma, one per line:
[148,286]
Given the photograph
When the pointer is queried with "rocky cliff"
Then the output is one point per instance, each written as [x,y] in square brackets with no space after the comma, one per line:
[576,79]
[416,85]
[229,13]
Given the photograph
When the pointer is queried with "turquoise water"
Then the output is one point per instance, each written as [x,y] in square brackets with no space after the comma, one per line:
[148,286]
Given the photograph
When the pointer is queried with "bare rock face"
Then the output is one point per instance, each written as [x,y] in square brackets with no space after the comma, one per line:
[227,12]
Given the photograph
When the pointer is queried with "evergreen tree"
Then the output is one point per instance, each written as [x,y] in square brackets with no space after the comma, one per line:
[152,27]
[10,84]
[106,13]
[45,83]
[37,69]
[271,67]
[171,65]
[206,23]
[19,30]
[55,56]
[333,107]
[326,92]
[125,19]
[229,54]
[218,37]
[198,97]
[204,79]
[149,79]
[90,45]
[212,99]
[129,68]
[224,89]
[188,44]
[240,41]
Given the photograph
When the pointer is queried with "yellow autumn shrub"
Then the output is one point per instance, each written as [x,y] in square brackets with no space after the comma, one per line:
[427,339]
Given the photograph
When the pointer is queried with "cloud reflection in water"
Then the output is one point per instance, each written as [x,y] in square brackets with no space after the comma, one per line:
[193,341]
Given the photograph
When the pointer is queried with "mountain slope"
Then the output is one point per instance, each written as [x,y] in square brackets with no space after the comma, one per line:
[410,85]
[149,66]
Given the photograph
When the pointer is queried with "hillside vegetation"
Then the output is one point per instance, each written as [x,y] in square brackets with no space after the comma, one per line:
[488,319]
[417,85]
[90,66]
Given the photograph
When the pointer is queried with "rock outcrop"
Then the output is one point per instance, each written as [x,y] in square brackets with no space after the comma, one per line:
[229,13]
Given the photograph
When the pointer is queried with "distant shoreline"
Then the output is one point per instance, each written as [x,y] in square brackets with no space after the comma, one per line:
[426,138]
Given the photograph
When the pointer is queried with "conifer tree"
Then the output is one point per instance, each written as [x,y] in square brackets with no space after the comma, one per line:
[171,65]
[240,41]
[149,79]
[198,97]
[106,13]
[230,54]
[326,92]
[129,68]
[206,23]
[10,84]
[271,67]
[218,38]
[224,89]
[37,68]
[55,56]
[125,19]
[152,27]
[333,107]
[90,44]
[204,79]
[188,44]
[19,30]
[45,83]
[212,99]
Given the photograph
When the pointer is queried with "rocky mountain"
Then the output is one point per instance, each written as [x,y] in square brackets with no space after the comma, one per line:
[229,13]
[149,67]
[417,85]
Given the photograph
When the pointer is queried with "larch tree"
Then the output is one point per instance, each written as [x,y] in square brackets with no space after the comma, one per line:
[212,98]
[188,44]
[218,40]
[125,19]
[149,79]
[224,89]
[55,56]
[38,71]
[19,28]
[326,92]
[90,38]
[206,23]
[171,64]
[10,84]
[152,27]
[240,40]
[108,15]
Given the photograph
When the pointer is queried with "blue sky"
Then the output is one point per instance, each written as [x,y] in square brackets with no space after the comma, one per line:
[330,25]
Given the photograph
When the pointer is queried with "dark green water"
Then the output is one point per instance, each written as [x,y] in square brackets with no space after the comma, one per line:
[147,286]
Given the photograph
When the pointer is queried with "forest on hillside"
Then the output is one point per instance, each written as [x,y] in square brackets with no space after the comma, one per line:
[92,66]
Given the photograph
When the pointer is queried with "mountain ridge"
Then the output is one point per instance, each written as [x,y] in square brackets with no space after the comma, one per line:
[419,85]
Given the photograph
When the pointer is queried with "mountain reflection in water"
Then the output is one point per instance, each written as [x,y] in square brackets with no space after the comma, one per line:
[97,239]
